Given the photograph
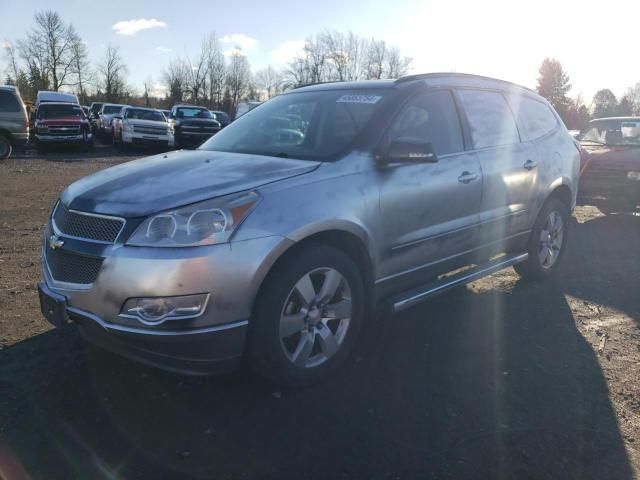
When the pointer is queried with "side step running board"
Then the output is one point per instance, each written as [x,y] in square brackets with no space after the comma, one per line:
[420,294]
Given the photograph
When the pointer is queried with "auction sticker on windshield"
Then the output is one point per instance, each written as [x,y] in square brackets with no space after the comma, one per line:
[359,99]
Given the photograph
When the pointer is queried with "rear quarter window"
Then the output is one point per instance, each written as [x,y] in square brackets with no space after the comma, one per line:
[534,118]
[490,118]
[9,102]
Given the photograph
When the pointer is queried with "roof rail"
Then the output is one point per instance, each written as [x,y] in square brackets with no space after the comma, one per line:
[426,76]
[317,83]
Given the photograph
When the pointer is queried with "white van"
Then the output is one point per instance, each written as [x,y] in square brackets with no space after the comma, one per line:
[46,96]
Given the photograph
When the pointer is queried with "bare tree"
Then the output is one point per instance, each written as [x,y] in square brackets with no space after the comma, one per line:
[80,66]
[175,78]
[112,70]
[237,79]
[48,49]
[216,69]
[197,72]
[10,55]
[396,65]
[375,59]
[147,86]
[269,81]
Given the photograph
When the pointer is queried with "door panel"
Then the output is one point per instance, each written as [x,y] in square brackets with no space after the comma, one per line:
[429,210]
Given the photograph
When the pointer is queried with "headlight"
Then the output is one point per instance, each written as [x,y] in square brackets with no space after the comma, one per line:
[204,223]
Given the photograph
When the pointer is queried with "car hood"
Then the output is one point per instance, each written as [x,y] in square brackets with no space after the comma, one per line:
[149,185]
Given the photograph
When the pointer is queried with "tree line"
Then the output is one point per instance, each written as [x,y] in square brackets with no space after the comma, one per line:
[554,84]
[52,56]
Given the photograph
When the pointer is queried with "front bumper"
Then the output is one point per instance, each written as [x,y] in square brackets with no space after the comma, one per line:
[230,273]
[143,139]
[202,351]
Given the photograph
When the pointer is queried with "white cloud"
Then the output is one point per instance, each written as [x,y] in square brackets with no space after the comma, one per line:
[287,51]
[241,40]
[133,26]
[162,49]
[234,51]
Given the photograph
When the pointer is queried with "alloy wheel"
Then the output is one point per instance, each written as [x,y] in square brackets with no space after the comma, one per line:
[315,317]
[551,238]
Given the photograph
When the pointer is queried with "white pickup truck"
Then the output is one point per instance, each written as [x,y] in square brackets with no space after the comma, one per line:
[141,126]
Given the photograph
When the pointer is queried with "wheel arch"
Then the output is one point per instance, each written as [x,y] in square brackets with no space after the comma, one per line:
[348,240]
[561,189]
[7,134]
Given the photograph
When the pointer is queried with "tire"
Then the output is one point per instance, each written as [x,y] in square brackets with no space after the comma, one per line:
[547,242]
[320,333]
[5,147]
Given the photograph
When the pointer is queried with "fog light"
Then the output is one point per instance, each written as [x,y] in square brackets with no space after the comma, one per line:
[154,310]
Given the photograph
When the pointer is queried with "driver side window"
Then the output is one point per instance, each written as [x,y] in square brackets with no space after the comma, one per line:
[431,117]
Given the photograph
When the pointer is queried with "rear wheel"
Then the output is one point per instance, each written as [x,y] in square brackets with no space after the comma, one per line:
[546,242]
[5,147]
[307,317]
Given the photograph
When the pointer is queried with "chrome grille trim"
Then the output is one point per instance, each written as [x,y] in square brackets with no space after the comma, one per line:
[61,231]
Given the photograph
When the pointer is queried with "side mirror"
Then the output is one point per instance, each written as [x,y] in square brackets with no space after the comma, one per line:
[410,150]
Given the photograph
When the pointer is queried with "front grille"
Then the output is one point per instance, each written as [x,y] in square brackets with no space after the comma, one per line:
[64,130]
[71,267]
[150,130]
[89,226]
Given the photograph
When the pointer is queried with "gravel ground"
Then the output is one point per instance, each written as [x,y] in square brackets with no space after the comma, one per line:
[501,379]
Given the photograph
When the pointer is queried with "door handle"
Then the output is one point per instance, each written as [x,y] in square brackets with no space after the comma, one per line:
[466,177]
[529,164]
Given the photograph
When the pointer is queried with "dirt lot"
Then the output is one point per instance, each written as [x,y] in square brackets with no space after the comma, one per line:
[502,379]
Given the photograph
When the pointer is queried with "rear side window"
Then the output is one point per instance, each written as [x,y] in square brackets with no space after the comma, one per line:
[9,102]
[431,117]
[534,118]
[490,118]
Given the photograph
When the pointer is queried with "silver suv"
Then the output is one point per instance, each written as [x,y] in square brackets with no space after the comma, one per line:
[14,122]
[277,237]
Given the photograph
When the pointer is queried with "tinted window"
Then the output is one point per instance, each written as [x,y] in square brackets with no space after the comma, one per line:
[534,117]
[431,117]
[313,125]
[53,110]
[140,114]
[490,118]
[186,112]
[109,109]
[9,102]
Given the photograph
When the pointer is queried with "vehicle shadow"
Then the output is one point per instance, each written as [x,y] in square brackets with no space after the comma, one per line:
[475,384]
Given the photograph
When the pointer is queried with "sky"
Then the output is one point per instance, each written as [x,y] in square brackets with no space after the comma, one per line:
[595,42]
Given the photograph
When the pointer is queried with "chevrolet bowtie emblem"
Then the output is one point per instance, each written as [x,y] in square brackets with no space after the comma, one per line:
[55,242]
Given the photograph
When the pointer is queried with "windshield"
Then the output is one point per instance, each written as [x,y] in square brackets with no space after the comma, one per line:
[221,116]
[95,107]
[112,109]
[59,111]
[612,132]
[140,114]
[186,112]
[306,125]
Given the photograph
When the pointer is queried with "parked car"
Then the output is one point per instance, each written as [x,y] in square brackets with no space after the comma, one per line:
[44,96]
[611,170]
[105,115]
[85,110]
[14,122]
[191,125]
[61,124]
[278,249]
[141,126]
[222,117]
[166,113]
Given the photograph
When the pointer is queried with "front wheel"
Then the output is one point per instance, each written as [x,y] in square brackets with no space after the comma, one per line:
[547,242]
[307,317]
